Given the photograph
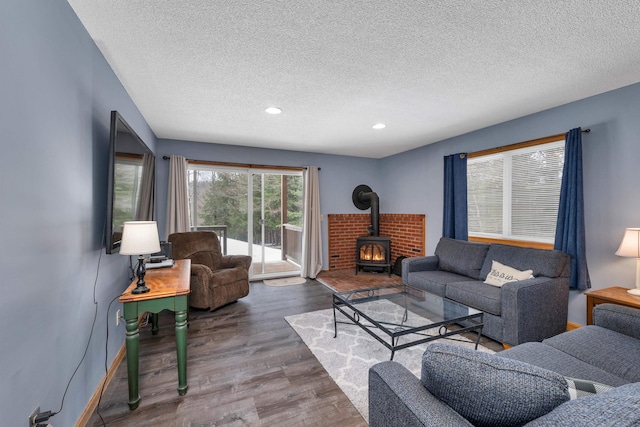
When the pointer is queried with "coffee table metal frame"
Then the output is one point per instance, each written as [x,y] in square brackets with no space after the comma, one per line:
[347,303]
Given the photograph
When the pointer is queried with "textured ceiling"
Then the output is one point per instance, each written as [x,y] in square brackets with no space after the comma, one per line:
[205,70]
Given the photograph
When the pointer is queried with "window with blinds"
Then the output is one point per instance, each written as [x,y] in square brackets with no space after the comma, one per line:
[514,194]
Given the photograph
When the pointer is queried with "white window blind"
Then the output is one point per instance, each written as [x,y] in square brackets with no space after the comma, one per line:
[515,194]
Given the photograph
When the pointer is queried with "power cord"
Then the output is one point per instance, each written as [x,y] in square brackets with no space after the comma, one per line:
[44,416]
[145,320]
[106,349]
[133,272]
[106,364]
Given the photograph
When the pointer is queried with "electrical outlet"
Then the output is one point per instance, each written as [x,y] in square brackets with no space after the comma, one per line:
[117,317]
[32,417]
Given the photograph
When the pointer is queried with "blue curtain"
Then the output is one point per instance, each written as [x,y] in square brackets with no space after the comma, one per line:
[454,221]
[570,234]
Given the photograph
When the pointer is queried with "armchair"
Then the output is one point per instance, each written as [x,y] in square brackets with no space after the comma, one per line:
[216,279]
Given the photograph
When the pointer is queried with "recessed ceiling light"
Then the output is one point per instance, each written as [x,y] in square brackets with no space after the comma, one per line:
[379,126]
[273,110]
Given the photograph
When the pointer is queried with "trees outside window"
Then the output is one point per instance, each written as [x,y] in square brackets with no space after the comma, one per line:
[220,197]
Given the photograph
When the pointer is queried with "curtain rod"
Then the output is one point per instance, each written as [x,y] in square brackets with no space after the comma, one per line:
[583,131]
[245,165]
[530,143]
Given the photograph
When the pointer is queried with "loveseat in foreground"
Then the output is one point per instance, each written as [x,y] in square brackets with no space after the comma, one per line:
[530,309]
[529,384]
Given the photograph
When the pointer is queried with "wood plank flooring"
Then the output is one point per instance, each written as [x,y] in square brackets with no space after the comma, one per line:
[245,367]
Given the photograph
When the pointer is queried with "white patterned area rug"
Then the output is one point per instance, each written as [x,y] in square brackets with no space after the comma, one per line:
[348,357]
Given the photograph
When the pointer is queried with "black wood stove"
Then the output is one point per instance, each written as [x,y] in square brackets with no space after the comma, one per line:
[373,252]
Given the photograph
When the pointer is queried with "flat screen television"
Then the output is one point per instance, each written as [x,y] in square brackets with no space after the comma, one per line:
[131,183]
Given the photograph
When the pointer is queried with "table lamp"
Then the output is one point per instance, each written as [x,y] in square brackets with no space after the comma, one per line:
[140,238]
[630,247]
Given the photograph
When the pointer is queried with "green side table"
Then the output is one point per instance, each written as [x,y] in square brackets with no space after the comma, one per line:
[169,291]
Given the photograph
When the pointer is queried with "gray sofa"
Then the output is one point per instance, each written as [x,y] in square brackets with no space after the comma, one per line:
[517,312]
[531,384]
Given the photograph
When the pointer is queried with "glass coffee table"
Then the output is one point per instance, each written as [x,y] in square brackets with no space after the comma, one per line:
[401,316]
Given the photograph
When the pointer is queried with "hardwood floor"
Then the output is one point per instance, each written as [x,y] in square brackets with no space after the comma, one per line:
[246,366]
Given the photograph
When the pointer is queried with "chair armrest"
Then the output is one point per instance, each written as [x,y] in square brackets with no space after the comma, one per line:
[233,261]
[534,309]
[398,398]
[420,263]
[199,280]
[201,272]
[618,318]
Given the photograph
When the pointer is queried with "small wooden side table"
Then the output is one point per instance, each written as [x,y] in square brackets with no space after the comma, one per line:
[169,291]
[614,295]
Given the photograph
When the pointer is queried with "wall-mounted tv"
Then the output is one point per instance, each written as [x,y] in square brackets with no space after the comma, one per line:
[131,190]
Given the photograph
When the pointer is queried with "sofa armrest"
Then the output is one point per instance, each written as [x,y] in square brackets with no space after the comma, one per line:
[420,263]
[398,398]
[233,261]
[618,318]
[534,309]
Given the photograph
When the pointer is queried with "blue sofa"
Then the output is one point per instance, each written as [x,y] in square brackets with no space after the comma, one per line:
[585,377]
[517,312]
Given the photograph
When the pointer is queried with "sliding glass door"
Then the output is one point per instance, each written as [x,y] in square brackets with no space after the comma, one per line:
[276,230]
[255,212]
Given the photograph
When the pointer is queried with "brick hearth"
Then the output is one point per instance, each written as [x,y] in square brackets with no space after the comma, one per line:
[407,233]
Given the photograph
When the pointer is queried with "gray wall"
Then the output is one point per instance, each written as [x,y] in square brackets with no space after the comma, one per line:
[611,176]
[56,94]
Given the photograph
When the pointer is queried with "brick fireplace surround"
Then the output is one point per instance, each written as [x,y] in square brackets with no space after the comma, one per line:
[407,233]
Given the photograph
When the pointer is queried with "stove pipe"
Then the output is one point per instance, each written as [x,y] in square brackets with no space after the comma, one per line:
[364,198]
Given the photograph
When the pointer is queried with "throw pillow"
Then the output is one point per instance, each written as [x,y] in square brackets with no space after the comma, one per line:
[501,274]
[615,408]
[488,389]
[582,388]
[461,257]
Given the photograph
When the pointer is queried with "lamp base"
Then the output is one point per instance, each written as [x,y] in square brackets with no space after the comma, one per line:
[635,292]
[140,272]
[144,289]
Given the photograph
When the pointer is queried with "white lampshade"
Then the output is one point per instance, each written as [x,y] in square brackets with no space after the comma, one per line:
[630,246]
[140,238]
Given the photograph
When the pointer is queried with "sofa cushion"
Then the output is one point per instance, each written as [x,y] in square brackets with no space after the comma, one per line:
[490,390]
[461,257]
[501,274]
[476,294]
[617,407]
[550,358]
[542,262]
[608,350]
[434,282]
